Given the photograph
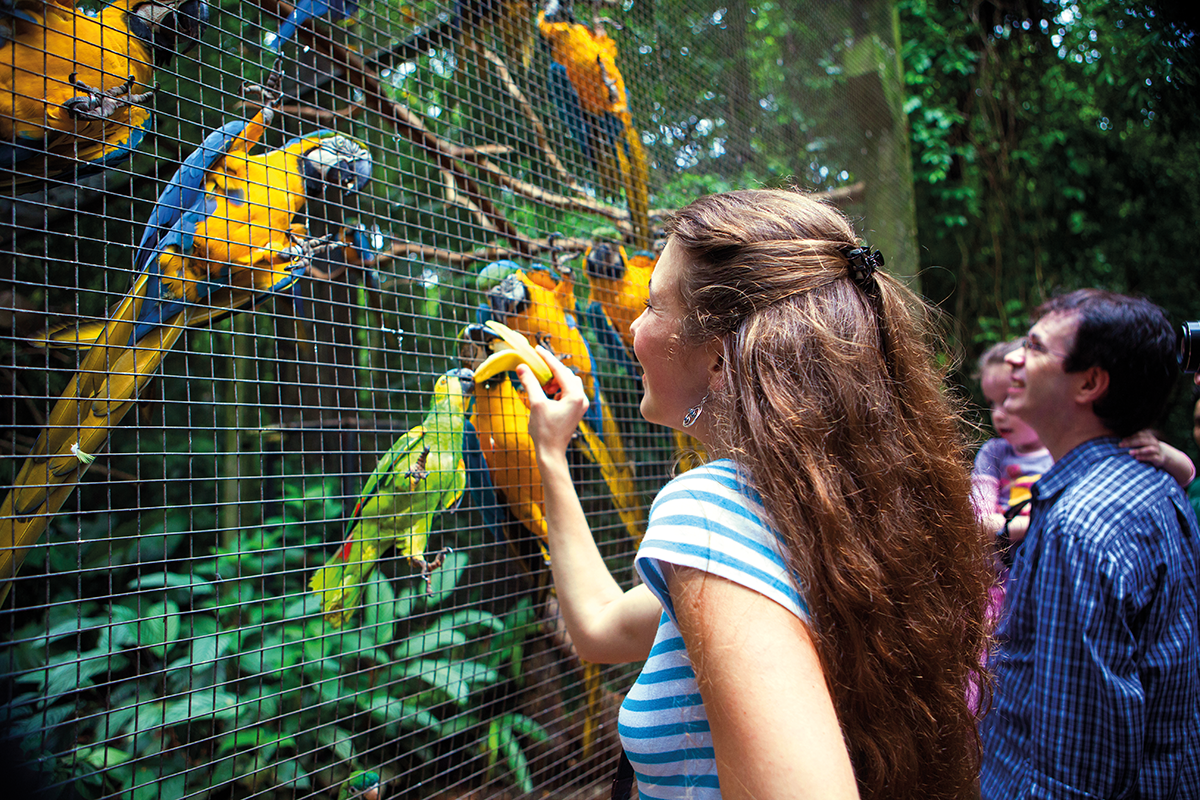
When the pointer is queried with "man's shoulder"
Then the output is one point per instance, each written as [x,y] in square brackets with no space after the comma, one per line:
[1116,502]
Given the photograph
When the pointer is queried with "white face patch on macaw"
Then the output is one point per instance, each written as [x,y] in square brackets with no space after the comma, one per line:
[341,160]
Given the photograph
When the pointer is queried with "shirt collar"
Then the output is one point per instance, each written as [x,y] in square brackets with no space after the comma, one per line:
[1074,464]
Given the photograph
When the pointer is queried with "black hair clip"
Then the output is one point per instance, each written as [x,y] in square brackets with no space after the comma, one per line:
[863,263]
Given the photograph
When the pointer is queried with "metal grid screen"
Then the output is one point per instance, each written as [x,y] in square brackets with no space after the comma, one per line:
[262,533]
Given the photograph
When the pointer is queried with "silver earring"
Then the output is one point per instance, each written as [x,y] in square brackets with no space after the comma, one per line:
[693,413]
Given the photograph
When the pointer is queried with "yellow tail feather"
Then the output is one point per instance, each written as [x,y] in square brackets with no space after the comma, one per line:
[637,192]
[94,401]
[619,479]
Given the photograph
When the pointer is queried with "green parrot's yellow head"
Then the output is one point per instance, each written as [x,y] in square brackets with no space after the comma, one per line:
[454,389]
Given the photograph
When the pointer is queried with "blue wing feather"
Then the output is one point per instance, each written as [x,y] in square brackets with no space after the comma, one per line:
[570,110]
[479,485]
[186,190]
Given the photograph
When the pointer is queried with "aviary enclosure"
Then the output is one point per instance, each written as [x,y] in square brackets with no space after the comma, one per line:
[270,522]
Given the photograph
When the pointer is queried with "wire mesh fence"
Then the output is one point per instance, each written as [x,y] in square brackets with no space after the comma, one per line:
[267,529]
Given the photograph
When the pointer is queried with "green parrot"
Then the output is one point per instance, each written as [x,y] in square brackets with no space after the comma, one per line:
[361,785]
[423,473]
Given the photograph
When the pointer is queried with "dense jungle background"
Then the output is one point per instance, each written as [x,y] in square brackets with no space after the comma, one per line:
[162,637]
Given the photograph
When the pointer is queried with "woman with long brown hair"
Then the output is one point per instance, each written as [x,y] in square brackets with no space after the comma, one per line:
[813,604]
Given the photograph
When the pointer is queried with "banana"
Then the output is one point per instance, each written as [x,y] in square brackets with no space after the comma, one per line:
[517,351]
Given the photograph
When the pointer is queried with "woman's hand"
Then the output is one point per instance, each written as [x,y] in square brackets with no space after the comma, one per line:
[554,418]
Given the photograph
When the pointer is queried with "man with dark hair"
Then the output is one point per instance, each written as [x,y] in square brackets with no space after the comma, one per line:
[1098,676]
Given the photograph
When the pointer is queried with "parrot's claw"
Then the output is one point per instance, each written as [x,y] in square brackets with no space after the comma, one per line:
[428,567]
[302,252]
[418,472]
[101,104]
[269,91]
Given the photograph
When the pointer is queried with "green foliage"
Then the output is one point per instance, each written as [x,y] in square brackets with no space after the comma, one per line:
[1054,147]
[232,663]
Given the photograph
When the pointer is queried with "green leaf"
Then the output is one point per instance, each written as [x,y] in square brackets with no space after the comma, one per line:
[121,631]
[147,785]
[525,726]
[340,740]
[172,580]
[200,704]
[379,610]
[516,761]
[456,678]
[290,774]
[105,757]
[446,577]
[439,637]
[159,627]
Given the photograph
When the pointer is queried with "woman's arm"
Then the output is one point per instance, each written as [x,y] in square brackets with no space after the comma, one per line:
[607,624]
[774,728]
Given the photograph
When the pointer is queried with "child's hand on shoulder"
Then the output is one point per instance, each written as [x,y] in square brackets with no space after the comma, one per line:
[1145,446]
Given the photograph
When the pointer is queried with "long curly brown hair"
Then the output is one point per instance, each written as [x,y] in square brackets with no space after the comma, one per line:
[832,404]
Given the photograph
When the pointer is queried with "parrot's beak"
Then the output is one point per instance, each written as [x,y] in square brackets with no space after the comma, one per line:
[466,379]
[604,261]
[508,297]
[174,26]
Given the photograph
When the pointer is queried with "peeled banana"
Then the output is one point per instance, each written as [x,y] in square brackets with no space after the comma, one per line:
[517,350]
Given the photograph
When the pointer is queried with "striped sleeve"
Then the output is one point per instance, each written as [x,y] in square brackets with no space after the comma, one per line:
[708,519]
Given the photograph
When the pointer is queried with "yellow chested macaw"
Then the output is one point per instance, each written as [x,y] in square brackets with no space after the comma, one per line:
[618,291]
[73,84]
[501,422]
[539,306]
[589,93]
[421,475]
[229,231]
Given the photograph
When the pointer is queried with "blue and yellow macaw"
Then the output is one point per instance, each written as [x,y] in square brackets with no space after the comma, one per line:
[332,11]
[501,422]
[541,306]
[501,460]
[230,230]
[618,290]
[589,93]
[422,474]
[73,84]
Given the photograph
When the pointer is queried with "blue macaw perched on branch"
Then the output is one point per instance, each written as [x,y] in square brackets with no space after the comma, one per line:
[332,11]
[510,19]
[73,84]
[422,474]
[589,93]
[230,230]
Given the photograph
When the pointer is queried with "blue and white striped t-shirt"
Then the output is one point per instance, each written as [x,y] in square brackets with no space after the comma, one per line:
[707,519]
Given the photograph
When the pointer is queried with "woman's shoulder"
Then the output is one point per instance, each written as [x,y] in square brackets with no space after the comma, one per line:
[711,500]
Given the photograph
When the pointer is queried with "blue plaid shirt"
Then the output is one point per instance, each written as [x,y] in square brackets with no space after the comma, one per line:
[1098,676]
